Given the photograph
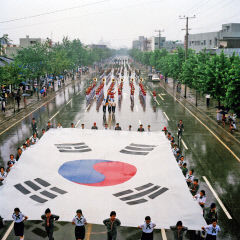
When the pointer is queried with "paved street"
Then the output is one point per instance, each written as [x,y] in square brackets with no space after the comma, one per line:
[215,162]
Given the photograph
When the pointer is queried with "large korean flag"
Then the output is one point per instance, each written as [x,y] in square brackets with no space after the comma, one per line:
[133,173]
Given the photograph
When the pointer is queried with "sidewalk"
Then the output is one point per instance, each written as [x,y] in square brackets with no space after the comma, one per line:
[30,101]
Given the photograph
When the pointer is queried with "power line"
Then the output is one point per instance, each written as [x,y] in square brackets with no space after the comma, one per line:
[53,12]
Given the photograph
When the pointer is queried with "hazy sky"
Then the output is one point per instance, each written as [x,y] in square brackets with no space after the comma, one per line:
[116,22]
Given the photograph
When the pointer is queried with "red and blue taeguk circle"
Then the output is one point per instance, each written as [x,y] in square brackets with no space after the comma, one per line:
[99,173]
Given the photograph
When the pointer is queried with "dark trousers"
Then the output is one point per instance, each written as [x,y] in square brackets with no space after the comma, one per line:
[211,237]
[112,236]
[49,231]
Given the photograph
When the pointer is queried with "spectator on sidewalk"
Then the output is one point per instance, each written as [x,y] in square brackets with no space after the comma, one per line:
[18,98]
[219,115]
[3,104]
[208,100]
[178,230]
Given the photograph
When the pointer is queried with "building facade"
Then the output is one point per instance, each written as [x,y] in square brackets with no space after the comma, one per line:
[227,37]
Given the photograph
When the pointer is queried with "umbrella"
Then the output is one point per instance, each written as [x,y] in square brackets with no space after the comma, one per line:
[223,112]
[22,83]
[26,95]
[42,91]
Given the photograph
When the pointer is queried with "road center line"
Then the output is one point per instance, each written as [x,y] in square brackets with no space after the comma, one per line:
[166,116]
[8,231]
[157,102]
[160,96]
[89,230]
[54,115]
[69,101]
[164,236]
[88,107]
[217,198]
[184,144]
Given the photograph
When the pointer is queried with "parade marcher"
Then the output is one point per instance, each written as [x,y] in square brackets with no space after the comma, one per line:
[94,127]
[12,159]
[178,230]
[112,224]
[165,130]
[104,108]
[106,126]
[19,153]
[43,131]
[175,150]
[72,125]
[210,213]
[24,147]
[82,125]
[201,198]
[180,128]
[34,126]
[190,177]
[113,107]
[109,108]
[28,142]
[149,128]
[49,219]
[49,126]
[130,128]
[59,126]
[184,169]
[19,219]
[147,229]
[141,129]
[194,187]
[212,230]
[181,161]
[79,221]
[35,139]
[118,128]
[3,174]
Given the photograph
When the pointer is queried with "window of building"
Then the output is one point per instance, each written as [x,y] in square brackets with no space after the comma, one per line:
[204,42]
[210,42]
[32,42]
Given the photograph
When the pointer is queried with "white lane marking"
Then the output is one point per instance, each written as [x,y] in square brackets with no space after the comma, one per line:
[8,231]
[217,198]
[164,236]
[166,116]
[77,123]
[151,93]
[69,101]
[157,102]
[238,159]
[140,122]
[88,107]
[78,92]
[54,115]
[136,108]
[184,144]
[160,96]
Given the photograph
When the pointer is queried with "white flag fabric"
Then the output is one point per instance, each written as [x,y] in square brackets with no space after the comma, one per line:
[98,171]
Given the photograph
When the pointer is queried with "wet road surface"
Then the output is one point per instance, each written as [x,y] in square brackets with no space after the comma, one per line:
[202,151]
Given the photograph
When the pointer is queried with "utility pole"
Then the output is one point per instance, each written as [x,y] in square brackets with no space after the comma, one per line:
[186,42]
[159,37]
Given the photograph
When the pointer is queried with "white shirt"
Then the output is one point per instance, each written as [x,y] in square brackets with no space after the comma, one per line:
[189,177]
[200,199]
[212,230]
[3,175]
[147,228]
[18,218]
[79,221]
[59,127]
[35,140]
